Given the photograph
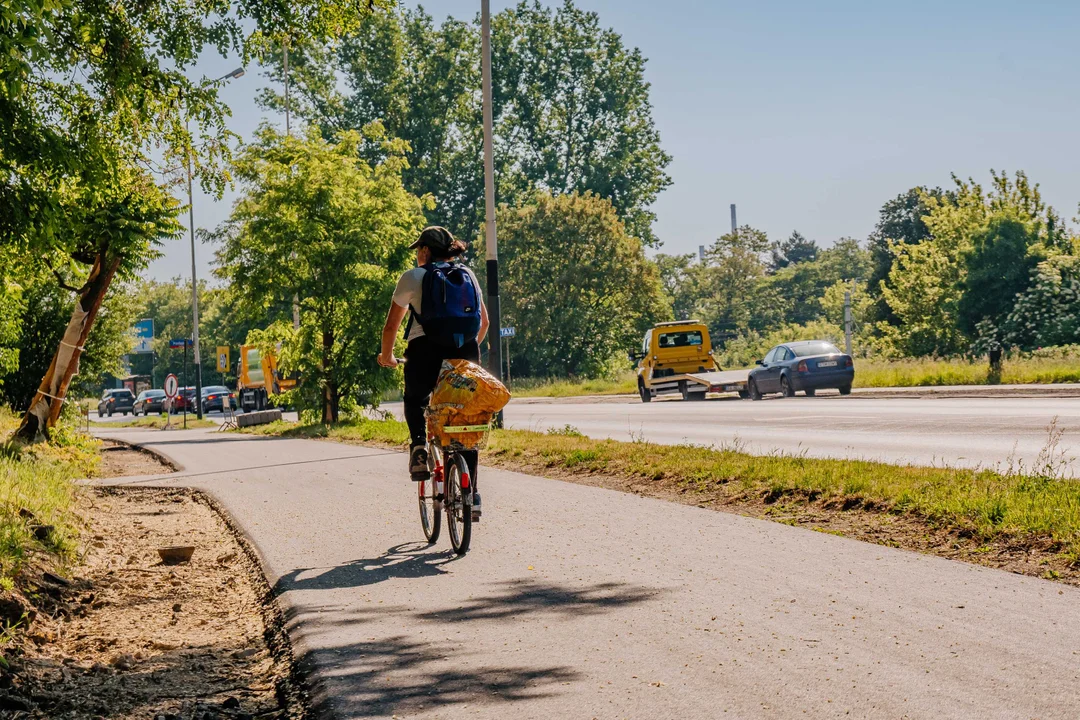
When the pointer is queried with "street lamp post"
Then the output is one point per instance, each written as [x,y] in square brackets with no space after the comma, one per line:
[239,72]
[491,243]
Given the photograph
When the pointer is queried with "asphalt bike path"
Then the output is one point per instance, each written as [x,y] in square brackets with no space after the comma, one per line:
[579,602]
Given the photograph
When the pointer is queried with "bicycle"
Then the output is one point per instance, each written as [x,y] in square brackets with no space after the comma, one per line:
[449,487]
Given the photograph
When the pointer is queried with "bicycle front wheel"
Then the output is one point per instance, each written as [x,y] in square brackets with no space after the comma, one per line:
[430,503]
[458,503]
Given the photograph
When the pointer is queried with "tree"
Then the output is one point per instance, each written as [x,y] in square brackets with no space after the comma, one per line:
[421,82]
[115,229]
[43,316]
[222,321]
[1048,313]
[899,222]
[922,291]
[571,108]
[928,281]
[576,284]
[679,278]
[86,90]
[796,249]
[318,223]
[998,269]
[730,282]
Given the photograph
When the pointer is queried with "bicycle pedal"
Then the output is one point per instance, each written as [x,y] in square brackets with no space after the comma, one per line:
[476,516]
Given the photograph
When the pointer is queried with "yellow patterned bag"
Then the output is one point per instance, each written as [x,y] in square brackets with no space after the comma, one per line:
[465,399]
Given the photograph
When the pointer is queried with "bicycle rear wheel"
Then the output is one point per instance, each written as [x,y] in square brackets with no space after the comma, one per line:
[458,509]
[430,503]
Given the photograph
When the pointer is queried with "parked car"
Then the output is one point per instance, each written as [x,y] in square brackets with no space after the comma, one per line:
[806,366]
[149,401]
[185,400]
[214,398]
[120,400]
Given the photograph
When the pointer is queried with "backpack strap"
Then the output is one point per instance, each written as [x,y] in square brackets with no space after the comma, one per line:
[414,313]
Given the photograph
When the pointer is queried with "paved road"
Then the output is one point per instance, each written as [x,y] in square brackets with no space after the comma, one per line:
[924,431]
[578,602]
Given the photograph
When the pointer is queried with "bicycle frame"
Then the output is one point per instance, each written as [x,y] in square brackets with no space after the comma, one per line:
[448,489]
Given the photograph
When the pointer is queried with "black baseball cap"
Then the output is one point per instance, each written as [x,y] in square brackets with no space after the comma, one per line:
[434,237]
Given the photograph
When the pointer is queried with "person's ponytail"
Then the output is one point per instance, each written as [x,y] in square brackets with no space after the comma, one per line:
[456,249]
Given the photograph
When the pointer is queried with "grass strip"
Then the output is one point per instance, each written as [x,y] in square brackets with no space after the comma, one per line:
[38,524]
[1036,506]
[157,422]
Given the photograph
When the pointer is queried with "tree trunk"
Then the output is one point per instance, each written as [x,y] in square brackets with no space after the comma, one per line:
[47,403]
[330,391]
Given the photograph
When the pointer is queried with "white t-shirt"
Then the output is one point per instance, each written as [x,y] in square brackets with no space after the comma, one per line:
[409,293]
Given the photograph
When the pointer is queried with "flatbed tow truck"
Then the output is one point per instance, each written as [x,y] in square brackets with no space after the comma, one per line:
[677,358]
[694,386]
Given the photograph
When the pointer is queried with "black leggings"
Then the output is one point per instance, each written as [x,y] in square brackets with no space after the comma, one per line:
[421,374]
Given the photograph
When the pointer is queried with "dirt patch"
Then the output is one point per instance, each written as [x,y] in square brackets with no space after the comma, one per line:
[122,460]
[1024,556]
[129,637]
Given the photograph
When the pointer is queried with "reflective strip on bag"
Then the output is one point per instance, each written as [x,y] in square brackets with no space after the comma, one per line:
[465,428]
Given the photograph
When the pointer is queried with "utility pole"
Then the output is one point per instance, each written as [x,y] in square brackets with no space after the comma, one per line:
[847,321]
[495,364]
[288,133]
[194,304]
[734,227]
[238,72]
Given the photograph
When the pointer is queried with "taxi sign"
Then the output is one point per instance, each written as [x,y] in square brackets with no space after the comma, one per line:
[172,386]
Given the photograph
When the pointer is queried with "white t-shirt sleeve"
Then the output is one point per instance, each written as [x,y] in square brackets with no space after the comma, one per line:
[409,290]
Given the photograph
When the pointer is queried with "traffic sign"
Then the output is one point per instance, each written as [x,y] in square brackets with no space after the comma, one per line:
[223,358]
[507,332]
[176,343]
[144,334]
[172,386]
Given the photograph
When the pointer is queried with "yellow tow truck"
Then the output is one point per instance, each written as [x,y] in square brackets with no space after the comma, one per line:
[677,358]
[257,378]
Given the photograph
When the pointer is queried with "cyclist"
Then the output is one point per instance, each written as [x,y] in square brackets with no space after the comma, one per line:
[424,356]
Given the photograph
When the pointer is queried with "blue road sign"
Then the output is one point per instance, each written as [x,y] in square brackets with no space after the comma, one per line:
[144,333]
[507,332]
[179,343]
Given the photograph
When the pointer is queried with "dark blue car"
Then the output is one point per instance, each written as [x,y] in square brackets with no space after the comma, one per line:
[806,366]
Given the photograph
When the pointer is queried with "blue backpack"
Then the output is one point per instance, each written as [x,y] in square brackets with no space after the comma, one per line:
[450,305]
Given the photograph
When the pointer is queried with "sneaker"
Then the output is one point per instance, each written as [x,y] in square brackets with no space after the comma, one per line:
[418,463]
[476,510]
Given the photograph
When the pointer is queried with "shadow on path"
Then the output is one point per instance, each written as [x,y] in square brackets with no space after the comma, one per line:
[523,597]
[408,560]
[398,677]
[423,668]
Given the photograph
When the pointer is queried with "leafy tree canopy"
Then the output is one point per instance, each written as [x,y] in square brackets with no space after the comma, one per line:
[576,284]
[318,223]
[794,250]
[571,108]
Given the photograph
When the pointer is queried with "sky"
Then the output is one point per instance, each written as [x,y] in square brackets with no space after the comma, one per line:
[809,116]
